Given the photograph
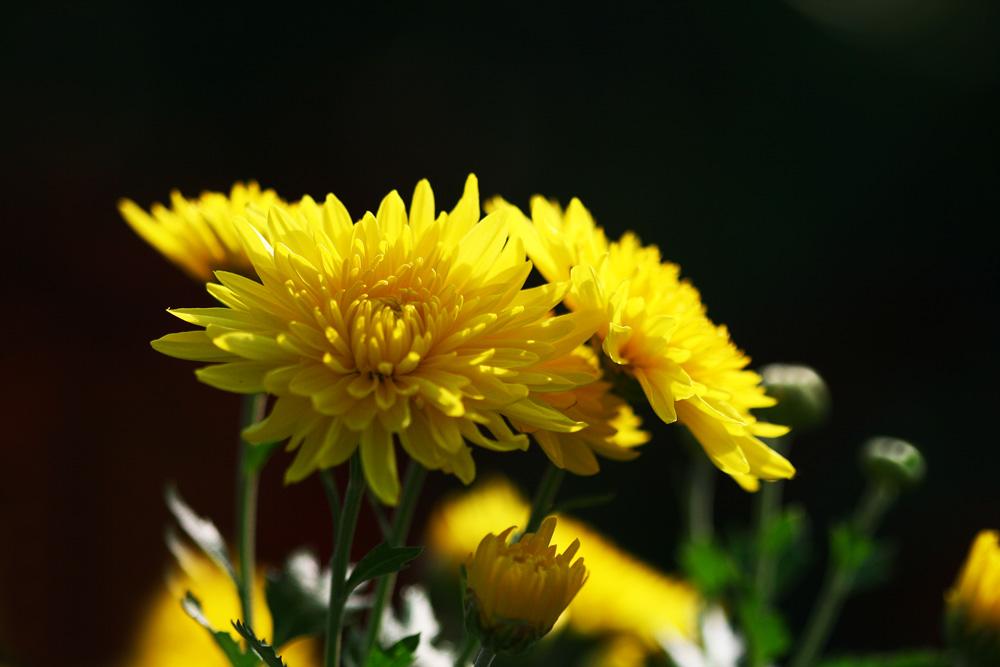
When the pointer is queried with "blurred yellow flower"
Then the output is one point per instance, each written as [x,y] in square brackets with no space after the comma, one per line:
[199,235]
[623,595]
[517,591]
[655,328]
[620,651]
[613,429]
[402,326]
[976,594]
[167,637]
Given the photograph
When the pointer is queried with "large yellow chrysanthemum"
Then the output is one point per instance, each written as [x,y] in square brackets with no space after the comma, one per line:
[976,594]
[199,235]
[168,637]
[623,595]
[654,328]
[398,327]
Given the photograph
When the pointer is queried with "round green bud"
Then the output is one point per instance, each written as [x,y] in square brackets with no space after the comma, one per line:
[893,461]
[803,399]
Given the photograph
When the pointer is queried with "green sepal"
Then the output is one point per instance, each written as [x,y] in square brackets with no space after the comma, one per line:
[382,560]
[201,531]
[298,598]
[229,646]
[261,648]
[400,654]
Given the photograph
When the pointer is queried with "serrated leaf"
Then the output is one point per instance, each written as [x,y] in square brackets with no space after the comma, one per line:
[263,650]
[298,597]
[400,654]
[709,568]
[201,531]
[230,647]
[766,632]
[256,456]
[380,561]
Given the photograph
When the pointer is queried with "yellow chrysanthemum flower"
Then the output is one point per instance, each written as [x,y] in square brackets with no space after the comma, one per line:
[400,326]
[976,595]
[655,328]
[199,235]
[168,637]
[517,591]
[613,429]
[623,595]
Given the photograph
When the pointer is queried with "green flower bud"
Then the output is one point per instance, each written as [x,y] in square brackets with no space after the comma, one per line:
[893,460]
[802,395]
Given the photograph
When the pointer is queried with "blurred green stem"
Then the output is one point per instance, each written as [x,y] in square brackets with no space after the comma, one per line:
[485,658]
[840,577]
[545,498]
[701,493]
[469,647]
[413,482]
[767,506]
[345,522]
[253,409]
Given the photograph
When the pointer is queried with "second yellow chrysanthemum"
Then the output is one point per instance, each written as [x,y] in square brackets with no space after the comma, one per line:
[655,329]
[405,326]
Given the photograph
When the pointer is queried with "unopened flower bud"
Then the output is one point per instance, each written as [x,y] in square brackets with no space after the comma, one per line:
[802,396]
[894,461]
[516,592]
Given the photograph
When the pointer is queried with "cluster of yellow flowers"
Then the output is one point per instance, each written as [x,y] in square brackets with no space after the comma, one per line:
[415,326]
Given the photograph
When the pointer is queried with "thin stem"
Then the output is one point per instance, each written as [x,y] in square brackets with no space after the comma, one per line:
[767,506]
[254,407]
[469,646]
[413,482]
[839,578]
[343,538]
[701,495]
[545,497]
[484,658]
[330,490]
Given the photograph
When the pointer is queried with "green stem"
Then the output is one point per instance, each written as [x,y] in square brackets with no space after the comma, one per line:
[344,527]
[413,482]
[839,578]
[545,497]
[254,407]
[485,658]
[767,506]
[701,493]
[469,646]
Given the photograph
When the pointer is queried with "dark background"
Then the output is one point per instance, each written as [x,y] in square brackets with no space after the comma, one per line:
[826,173]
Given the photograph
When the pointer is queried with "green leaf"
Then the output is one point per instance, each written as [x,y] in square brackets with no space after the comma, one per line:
[767,635]
[229,646]
[709,568]
[584,502]
[263,650]
[298,597]
[849,548]
[400,654]
[257,455]
[382,560]
[201,531]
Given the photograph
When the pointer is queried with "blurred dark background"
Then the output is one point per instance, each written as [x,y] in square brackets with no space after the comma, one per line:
[825,172]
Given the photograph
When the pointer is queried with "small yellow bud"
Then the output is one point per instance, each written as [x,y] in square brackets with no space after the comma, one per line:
[516,592]
[974,602]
